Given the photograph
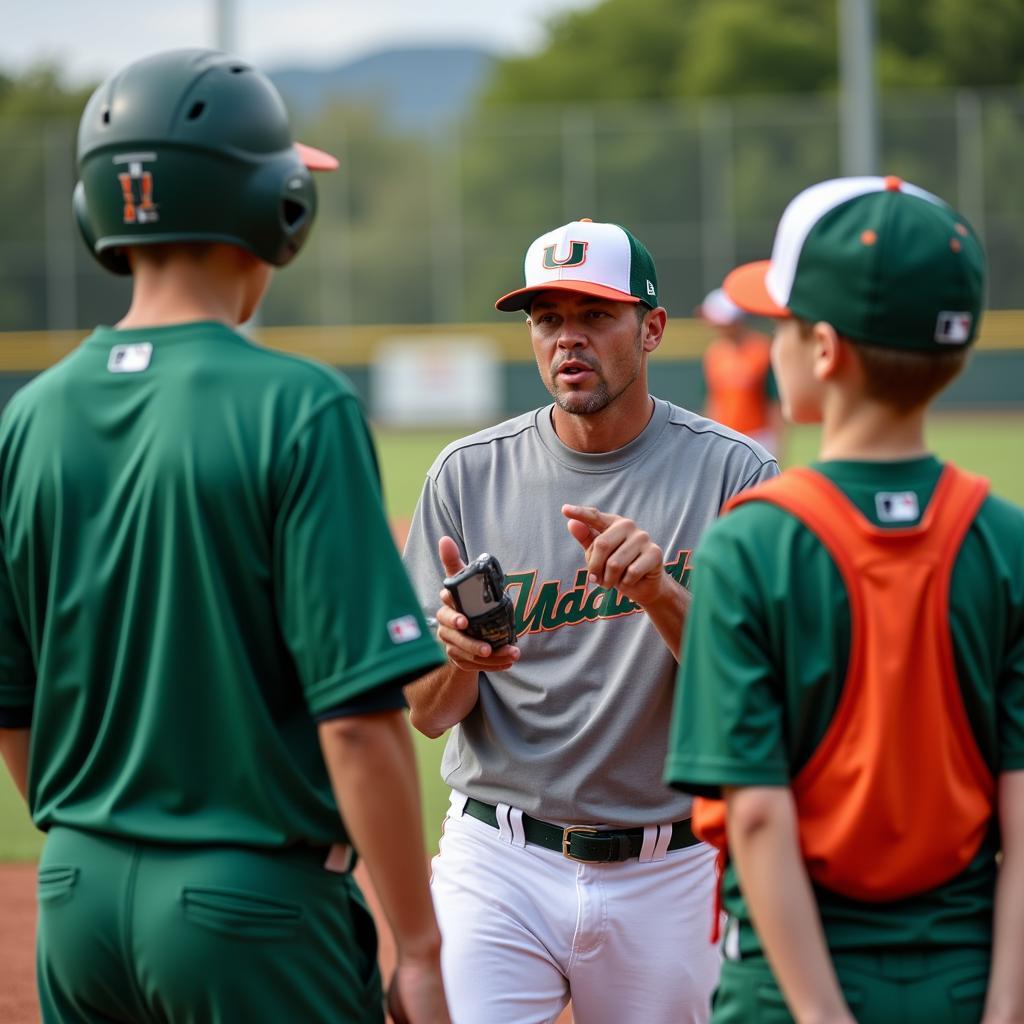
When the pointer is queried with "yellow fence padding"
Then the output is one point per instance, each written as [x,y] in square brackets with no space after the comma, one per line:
[29,351]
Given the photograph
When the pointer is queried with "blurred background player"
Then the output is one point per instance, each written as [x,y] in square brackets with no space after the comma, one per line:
[739,384]
[204,624]
[853,673]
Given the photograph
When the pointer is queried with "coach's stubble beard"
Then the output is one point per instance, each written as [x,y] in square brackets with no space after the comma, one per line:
[581,403]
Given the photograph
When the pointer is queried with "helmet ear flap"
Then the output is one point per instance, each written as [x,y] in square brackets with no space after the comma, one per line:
[113,259]
[296,210]
[279,208]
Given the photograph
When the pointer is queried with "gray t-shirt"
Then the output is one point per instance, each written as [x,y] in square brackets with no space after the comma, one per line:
[577,731]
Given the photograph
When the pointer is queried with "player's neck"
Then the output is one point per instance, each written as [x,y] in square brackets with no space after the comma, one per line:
[870,431]
[606,431]
[179,291]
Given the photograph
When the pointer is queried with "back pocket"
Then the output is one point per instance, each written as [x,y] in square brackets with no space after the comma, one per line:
[55,884]
[967,999]
[243,915]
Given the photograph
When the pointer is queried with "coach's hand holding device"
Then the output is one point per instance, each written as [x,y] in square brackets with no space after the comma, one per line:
[476,621]
[479,593]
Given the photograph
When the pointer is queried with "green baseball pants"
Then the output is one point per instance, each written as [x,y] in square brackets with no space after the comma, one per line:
[912,987]
[137,933]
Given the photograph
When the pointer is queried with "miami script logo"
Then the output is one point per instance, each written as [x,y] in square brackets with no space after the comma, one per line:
[552,607]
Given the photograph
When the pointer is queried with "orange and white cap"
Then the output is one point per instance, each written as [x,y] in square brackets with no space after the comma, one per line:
[589,258]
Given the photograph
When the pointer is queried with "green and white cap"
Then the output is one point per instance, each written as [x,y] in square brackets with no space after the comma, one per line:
[590,258]
[881,260]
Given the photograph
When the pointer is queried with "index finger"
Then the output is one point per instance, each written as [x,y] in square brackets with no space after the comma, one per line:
[592,517]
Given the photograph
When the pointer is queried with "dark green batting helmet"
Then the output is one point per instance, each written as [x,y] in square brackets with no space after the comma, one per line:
[192,146]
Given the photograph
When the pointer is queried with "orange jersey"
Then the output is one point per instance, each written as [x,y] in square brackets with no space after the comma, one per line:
[897,798]
[736,375]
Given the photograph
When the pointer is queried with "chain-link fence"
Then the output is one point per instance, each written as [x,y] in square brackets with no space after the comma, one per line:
[431,228]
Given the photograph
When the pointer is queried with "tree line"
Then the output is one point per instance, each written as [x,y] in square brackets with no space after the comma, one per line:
[691,121]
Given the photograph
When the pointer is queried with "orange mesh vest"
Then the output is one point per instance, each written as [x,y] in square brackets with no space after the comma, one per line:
[896,799]
[735,377]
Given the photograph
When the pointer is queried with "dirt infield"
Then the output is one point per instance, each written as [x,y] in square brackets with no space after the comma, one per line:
[400,530]
[18,1003]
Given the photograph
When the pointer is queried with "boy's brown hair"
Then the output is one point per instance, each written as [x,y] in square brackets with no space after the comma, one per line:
[897,377]
[901,378]
[904,379]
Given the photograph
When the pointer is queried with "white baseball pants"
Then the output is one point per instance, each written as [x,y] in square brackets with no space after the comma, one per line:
[524,930]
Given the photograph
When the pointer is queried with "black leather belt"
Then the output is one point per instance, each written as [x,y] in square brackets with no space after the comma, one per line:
[581,842]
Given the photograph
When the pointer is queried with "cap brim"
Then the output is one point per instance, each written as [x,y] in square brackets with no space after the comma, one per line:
[747,288]
[522,297]
[316,159]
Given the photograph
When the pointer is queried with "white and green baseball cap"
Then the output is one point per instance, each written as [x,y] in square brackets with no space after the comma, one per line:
[589,258]
[883,261]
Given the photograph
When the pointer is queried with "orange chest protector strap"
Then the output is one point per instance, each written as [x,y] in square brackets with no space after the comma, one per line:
[896,799]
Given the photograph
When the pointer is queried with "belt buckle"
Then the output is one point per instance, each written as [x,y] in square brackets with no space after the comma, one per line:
[567,839]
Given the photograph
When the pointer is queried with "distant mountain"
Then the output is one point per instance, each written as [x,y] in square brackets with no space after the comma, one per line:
[418,87]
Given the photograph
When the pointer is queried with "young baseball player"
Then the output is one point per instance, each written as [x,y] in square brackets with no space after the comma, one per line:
[739,384]
[204,624]
[852,679]
[567,869]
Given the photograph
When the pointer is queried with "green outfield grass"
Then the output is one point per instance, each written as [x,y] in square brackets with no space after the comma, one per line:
[986,443]
[18,838]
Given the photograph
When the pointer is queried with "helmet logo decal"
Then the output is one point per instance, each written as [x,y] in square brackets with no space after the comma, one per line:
[576,258]
[137,188]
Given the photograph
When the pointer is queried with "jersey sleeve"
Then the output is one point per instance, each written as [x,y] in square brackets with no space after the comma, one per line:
[385,697]
[1010,710]
[1001,525]
[727,718]
[755,472]
[345,606]
[431,521]
[1011,714]
[17,669]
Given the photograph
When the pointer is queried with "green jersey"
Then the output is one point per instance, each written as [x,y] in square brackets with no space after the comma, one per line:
[196,567]
[764,661]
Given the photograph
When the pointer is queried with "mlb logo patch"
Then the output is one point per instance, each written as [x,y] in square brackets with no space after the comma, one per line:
[897,507]
[130,358]
[953,328]
[404,629]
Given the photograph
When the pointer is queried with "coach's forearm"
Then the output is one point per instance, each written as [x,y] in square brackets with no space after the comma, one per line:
[1005,1000]
[762,829]
[668,613]
[442,698]
[372,769]
[14,744]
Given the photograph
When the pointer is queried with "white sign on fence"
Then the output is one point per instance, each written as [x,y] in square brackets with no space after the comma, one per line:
[429,379]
